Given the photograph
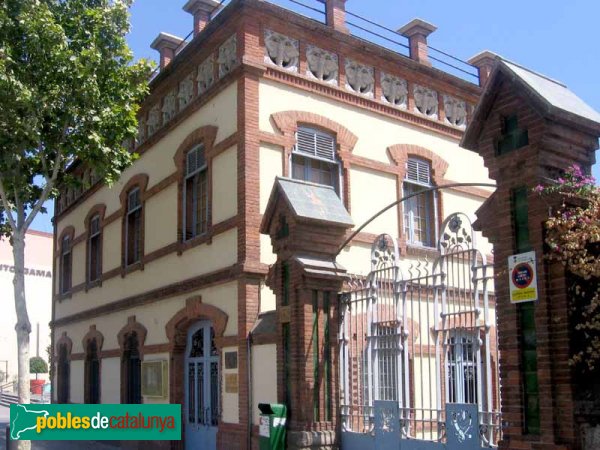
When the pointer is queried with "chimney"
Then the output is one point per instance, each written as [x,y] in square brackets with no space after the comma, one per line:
[166,44]
[417,31]
[201,10]
[484,61]
[335,12]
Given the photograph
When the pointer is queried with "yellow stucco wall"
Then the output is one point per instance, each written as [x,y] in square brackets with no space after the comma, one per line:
[264,377]
[110,379]
[224,181]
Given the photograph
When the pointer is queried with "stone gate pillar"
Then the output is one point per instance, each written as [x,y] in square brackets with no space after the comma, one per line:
[528,129]
[307,223]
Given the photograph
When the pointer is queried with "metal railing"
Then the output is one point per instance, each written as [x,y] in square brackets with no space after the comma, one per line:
[366,30]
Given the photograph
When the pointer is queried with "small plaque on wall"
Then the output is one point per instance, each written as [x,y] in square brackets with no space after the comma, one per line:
[155,378]
[231,360]
[231,383]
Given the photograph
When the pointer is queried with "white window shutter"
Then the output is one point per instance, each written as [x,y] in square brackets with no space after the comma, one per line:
[418,171]
[315,143]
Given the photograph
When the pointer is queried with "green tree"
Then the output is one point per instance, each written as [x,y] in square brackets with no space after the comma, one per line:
[37,365]
[69,91]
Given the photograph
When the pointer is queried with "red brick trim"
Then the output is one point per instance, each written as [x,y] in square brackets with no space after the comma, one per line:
[194,310]
[141,181]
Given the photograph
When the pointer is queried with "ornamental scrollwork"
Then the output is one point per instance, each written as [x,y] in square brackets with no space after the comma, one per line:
[154,117]
[360,78]
[169,108]
[384,252]
[462,422]
[206,75]
[281,50]
[227,56]
[322,65]
[426,101]
[457,231]
[186,91]
[394,90]
[456,111]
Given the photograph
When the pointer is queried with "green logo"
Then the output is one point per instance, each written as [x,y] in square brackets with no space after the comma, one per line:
[95,422]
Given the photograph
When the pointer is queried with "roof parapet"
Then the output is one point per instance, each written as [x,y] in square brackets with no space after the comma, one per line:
[166,44]
[417,31]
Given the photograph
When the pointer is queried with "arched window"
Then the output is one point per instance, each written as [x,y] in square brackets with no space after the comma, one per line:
[314,158]
[92,373]
[94,256]
[63,373]
[66,264]
[420,211]
[195,193]
[133,227]
[131,364]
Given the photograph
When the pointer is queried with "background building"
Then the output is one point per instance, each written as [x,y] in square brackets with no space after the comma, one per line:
[38,289]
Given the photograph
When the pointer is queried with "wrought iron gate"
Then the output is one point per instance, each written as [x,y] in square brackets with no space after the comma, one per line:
[418,349]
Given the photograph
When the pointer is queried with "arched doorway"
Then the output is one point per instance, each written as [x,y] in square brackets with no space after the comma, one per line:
[131,370]
[202,396]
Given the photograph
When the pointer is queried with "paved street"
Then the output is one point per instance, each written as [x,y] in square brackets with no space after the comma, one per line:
[49,445]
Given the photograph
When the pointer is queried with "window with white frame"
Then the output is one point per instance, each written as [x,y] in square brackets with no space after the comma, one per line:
[420,210]
[66,265]
[195,194]
[133,227]
[461,367]
[314,158]
[94,250]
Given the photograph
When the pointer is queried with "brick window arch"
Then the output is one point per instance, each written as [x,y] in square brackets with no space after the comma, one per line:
[420,217]
[193,160]
[94,223]
[289,122]
[133,196]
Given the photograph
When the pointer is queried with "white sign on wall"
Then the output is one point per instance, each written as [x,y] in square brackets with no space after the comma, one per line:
[522,278]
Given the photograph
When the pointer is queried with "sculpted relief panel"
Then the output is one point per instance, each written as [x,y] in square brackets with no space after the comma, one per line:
[227,56]
[360,78]
[206,75]
[169,106]
[281,50]
[456,111]
[394,90]
[186,91]
[426,101]
[322,65]
[153,120]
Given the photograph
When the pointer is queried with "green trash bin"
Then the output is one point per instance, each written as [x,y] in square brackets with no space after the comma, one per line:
[271,432]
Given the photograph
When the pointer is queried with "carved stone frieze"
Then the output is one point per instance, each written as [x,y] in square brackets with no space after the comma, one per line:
[456,111]
[169,108]
[394,90]
[186,91]
[141,137]
[322,65]
[206,75]
[360,78]
[426,101]
[154,120]
[227,56]
[281,50]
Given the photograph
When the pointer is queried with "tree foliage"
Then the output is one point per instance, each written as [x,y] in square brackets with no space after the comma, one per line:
[573,237]
[69,91]
[37,365]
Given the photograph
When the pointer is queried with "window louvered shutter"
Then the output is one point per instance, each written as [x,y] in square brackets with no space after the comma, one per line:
[195,160]
[315,143]
[418,171]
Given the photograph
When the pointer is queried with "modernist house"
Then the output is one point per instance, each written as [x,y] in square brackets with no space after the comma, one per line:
[160,293]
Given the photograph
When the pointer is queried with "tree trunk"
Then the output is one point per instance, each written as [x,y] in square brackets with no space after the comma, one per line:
[23,327]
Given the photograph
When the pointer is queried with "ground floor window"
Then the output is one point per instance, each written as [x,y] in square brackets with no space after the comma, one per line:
[92,373]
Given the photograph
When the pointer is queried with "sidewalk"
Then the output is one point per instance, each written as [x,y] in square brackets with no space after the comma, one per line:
[50,445]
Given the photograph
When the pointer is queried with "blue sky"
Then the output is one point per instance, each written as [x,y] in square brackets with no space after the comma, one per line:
[554,37]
